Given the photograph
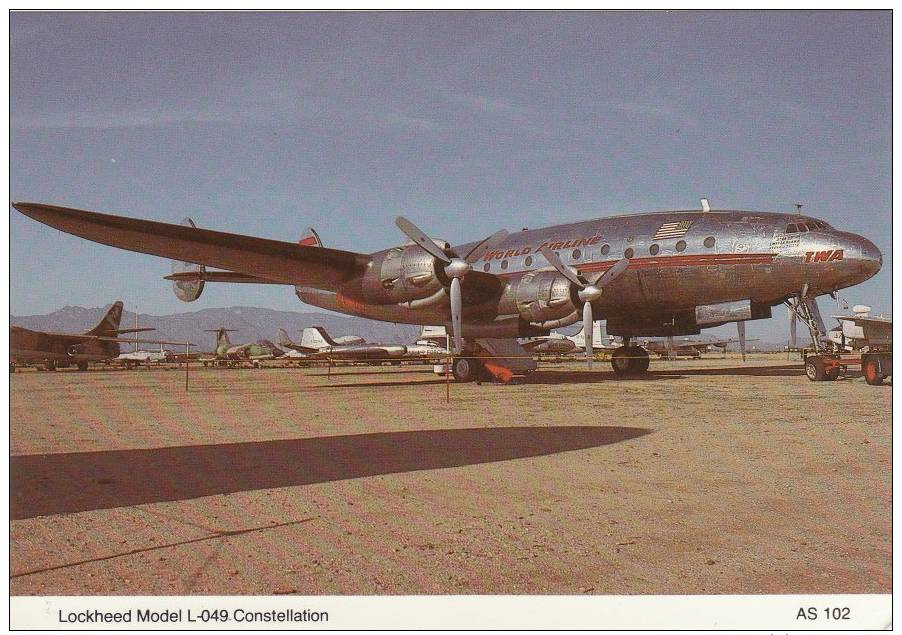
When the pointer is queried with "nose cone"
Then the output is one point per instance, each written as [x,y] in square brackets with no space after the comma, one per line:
[870,254]
[864,260]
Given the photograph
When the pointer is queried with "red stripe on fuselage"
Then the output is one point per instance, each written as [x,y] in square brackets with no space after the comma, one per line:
[691,260]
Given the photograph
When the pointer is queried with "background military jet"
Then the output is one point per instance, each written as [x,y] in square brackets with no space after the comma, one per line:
[59,350]
[228,354]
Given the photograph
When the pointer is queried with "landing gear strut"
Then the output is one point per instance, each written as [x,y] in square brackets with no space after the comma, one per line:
[630,360]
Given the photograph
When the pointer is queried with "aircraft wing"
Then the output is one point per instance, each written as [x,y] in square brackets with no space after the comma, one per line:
[219,276]
[274,260]
[132,340]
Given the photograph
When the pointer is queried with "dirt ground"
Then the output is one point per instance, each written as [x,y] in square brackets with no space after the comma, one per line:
[708,476]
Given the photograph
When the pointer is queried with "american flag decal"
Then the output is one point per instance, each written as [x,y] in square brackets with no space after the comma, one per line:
[672,230]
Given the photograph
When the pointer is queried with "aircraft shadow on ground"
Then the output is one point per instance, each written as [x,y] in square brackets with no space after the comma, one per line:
[82,481]
[784,370]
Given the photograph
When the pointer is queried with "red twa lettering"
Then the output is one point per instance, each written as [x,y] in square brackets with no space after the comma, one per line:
[828,255]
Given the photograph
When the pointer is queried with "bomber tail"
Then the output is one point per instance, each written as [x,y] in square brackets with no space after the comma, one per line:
[284,339]
[109,323]
[222,338]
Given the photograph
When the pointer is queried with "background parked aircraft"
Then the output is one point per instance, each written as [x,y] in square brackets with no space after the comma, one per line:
[226,353]
[59,350]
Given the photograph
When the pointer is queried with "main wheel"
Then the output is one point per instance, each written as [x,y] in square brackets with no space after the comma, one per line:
[466,368]
[51,365]
[871,372]
[815,369]
[640,360]
[630,360]
[82,365]
[620,360]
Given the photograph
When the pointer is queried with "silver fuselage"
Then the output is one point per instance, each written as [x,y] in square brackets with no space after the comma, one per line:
[723,256]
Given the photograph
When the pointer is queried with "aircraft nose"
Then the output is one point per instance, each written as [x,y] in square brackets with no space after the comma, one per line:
[871,259]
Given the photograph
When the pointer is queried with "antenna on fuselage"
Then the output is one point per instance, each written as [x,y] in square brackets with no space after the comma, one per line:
[705,206]
[798,209]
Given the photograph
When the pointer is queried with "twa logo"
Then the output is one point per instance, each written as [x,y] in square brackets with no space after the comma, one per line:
[823,256]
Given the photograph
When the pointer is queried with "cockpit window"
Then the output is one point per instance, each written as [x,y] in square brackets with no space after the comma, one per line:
[807,226]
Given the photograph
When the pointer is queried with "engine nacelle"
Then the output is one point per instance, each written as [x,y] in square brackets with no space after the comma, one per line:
[404,275]
[189,288]
[542,297]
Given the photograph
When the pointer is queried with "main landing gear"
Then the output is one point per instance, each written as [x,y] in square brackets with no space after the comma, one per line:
[630,360]
[467,369]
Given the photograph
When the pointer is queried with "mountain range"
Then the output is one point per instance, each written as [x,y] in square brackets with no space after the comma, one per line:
[251,323]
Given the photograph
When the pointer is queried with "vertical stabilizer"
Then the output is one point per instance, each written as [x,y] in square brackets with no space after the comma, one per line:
[316,337]
[310,238]
[109,324]
[285,340]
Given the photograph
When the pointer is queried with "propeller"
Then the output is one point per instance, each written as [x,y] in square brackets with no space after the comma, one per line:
[587,292]
[455,268]
[740,328]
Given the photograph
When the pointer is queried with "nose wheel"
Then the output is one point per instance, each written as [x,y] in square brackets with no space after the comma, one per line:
[630,360]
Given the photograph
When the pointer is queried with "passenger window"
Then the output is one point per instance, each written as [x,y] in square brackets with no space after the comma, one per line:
[504,264]
[576,254]
[654,249]
[605,250]
[487,266]
[709,242]
[528,262]
[681,245]
[628,253]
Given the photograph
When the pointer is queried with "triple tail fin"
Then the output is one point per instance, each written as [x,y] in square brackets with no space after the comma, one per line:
[310,238]
[109,323]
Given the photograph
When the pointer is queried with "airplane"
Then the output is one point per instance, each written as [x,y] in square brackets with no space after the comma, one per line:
[669,273]
[135,358]
[318,344]
[228,354]
[670,349]
[557,342]
[60,350]
[862,330]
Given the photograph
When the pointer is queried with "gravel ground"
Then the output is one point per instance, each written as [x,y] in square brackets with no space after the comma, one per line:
[709,476]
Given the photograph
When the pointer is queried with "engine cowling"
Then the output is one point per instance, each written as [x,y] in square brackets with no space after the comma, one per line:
[404,275]
[544,297]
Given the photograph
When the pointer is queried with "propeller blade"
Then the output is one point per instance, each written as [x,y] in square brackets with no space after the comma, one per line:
[416,235]
[588,322]
[565,270]
[613,273]
[740,328]
[477,252]
[456,307]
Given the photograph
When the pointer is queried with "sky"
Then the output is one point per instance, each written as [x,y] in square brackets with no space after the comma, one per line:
[263,124]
